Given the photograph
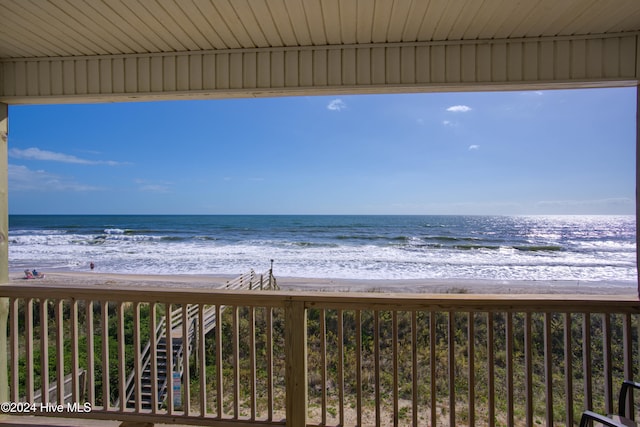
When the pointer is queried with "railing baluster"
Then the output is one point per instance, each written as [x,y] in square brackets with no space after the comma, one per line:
[627,347]
[168,315]
[153,358]
[472,367]
[414,367]
[15,351]
[122,369]
[548,368]
[186,353]
[606,353]
[137,361]
[91,375]
[44,353]
[452,367]
[75,350]
[432,367]
[586,360]
[219,377]
[509,367]
[252,361]
[568,368]
[376,363]
[104,325]
[236,362]
[28,346]
[358,315]
[269,344]
[60,352]
[323,365]
[528,362]
[491,370]
[395,346]
[340,322]
[202,366]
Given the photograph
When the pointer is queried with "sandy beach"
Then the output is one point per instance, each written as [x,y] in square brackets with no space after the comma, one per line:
[294,284]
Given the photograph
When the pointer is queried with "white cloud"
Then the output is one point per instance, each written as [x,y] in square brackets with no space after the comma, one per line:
[153,187]
[459,109]
[21,178]
[336,105]
[51,156]
[533,93]
[473,147]
[447,123]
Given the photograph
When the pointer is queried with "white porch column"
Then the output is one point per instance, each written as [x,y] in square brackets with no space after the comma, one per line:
[4,249]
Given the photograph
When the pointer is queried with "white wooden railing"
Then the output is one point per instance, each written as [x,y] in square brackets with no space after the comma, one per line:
[282,358]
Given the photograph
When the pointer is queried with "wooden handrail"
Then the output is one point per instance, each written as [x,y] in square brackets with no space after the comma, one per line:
[345,300]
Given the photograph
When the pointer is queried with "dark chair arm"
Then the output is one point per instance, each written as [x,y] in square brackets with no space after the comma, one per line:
[626,385]
[588,416]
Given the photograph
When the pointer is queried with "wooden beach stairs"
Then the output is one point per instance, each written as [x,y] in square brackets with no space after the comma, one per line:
[247,281]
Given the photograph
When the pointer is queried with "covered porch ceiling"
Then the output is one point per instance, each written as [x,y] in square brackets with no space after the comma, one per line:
[114,50]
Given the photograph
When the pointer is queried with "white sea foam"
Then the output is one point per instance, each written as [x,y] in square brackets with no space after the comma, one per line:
[547,252]
[114,231]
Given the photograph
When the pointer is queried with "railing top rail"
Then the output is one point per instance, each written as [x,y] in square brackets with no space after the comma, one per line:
[147,294]
[474,302]
[337,300]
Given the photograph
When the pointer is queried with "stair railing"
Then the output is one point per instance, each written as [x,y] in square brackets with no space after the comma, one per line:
[247,281]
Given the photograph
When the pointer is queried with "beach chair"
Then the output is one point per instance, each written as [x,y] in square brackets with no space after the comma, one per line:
[621,419]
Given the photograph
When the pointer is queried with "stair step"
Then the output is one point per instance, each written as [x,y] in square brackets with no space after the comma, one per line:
[179,348]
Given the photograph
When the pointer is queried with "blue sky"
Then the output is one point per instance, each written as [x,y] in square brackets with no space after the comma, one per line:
[549,152]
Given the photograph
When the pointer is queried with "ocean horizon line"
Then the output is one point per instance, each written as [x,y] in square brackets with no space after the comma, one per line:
[334,214]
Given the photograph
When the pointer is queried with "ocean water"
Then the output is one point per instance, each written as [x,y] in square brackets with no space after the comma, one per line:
[576,248]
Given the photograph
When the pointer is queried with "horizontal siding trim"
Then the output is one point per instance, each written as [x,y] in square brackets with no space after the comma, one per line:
[370,68]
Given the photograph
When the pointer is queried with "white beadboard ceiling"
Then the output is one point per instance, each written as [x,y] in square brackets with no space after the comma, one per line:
[69,28]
